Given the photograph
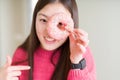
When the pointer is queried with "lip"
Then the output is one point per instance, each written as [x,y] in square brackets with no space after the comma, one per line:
[49,40]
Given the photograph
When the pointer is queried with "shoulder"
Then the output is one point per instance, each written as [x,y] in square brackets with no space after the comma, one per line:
[19,55]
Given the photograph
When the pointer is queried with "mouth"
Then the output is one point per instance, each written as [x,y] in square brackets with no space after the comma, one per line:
[49,39]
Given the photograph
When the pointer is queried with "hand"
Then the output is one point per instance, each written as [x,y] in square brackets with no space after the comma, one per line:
[8,72]
[78,43]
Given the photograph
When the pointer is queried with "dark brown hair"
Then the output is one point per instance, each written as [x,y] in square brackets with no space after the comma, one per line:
[32,42]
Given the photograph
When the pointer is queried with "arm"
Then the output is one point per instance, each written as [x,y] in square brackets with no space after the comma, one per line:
[78,48]
[89,73]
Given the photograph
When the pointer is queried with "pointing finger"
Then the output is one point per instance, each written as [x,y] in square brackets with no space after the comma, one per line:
[14,73]
[16,68]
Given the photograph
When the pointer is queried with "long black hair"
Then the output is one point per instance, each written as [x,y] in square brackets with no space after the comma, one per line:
[32,42]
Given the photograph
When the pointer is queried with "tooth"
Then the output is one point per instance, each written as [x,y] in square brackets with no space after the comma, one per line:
[49,39]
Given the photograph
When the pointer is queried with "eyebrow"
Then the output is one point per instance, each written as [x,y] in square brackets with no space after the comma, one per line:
[42,14]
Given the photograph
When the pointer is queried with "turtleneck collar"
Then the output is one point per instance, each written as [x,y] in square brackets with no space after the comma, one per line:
[46,53]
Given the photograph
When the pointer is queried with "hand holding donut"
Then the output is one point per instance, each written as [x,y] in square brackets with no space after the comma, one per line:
[8,72]
[62,26]
[78,44]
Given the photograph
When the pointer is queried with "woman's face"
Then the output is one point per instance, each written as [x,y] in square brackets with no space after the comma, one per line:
[47,42]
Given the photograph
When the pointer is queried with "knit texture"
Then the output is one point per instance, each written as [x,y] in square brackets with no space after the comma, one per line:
[43,68]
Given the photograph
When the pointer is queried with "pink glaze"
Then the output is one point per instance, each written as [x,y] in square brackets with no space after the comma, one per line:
[57,25]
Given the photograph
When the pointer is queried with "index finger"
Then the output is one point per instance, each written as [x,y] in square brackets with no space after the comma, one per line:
[15,68]
[68,29]
[81,31]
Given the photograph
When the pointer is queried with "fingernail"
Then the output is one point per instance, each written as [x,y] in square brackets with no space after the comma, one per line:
[29,67]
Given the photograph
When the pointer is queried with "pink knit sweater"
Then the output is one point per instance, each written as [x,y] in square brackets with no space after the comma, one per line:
[43,68]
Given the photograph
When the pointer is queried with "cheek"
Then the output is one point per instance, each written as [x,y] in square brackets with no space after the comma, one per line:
[39,29]
[61,42]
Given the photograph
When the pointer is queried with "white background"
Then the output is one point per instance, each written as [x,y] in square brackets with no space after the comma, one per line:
[100,18]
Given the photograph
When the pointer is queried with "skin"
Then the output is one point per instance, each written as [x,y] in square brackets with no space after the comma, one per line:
[43,16]
[8,72]
[78,41]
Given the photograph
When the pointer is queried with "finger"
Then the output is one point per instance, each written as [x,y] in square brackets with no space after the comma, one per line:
[8,61]
[81,35]
[72,37]
[14,78]
[68,29]
[82,48]
[83,41]
[80,31]
[14,73]
[16,68]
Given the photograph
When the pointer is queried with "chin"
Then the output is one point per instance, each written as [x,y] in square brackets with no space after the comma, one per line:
[49,48]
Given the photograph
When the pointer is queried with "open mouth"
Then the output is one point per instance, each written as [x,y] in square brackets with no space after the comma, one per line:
[49,39]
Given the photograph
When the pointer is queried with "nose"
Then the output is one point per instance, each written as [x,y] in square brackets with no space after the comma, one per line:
[50,29]
[46,30]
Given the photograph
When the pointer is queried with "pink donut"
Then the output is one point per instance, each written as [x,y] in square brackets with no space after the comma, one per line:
[57,25]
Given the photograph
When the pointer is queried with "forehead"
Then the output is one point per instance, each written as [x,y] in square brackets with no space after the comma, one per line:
[54,8]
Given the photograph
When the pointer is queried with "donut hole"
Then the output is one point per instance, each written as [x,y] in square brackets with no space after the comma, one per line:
[61,26]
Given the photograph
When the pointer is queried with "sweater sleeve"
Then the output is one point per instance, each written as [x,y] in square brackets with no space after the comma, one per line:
[89,73]
[20,58]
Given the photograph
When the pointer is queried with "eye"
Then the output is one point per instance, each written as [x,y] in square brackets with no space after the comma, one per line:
[43,20]
[61,26]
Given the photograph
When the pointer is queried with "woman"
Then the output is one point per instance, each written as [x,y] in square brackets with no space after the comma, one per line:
[49,58]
